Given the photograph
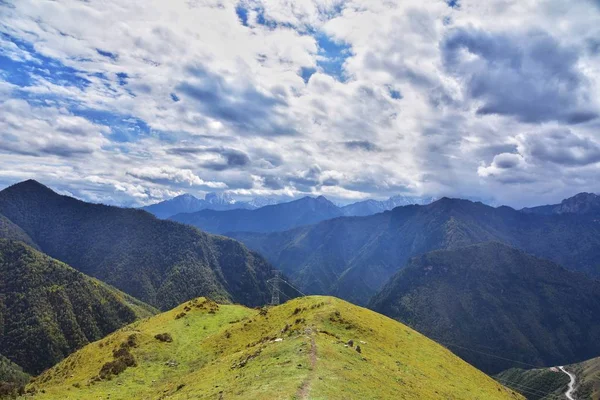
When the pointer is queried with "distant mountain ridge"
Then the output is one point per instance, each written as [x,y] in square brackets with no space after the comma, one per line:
[352,257]
[278,217]
[370,207]
[160,262]
[492,296]
[582,204]
[187,203]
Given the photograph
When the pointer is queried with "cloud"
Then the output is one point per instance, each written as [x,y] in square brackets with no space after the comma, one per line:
[529,75]
[272,97]
[560,146]
[173,175]
[244,107]
[361,145]
[47,131]
[227,158]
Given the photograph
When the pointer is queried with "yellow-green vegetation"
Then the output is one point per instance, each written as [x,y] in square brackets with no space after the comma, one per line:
[588,379]
[309,348]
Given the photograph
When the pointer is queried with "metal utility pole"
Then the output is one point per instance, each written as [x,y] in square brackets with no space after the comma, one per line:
[274,282]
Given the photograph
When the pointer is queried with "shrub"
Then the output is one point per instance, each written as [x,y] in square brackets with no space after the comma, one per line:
[164,337]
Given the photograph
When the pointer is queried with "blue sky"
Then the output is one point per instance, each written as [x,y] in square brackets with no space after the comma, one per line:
[350,99]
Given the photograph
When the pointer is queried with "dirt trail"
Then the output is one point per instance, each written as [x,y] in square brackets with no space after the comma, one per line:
[571,389]
[304,390]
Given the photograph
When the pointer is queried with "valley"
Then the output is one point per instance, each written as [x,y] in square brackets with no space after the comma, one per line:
[425,266]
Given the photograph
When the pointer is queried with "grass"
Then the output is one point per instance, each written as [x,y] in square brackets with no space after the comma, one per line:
[297,350]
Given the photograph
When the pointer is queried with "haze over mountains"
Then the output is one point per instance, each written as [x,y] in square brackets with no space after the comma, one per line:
[187,203]
[582,204]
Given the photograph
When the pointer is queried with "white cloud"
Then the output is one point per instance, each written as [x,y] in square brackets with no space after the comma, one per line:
[198,78]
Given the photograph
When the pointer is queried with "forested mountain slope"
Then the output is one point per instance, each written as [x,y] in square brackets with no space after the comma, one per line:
[352,257]
[8,230]
[162,263]
[494,299]
[551,383]
[48,309]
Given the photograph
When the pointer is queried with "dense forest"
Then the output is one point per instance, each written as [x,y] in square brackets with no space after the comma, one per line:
[491,298]
[162,263]
[48,309]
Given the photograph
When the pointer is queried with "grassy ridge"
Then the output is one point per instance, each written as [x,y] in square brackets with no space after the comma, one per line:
[298,350]
[48,309]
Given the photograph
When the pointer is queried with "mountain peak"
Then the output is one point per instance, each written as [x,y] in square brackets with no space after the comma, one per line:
[219,198]
[30,186]
[186,196]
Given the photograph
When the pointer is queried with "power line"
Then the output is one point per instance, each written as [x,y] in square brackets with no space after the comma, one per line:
[517,386]
[522,388]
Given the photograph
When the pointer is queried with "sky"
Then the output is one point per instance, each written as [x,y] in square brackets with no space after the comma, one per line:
[132,102]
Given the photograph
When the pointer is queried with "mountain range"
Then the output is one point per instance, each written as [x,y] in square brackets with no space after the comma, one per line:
[491,298]
[278,217]
[187,203]
[482,280]
[370,207]
[352,257]
[309,348]
[160,262]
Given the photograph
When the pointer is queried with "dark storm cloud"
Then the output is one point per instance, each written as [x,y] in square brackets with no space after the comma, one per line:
[507,160]
[561,146]
[530,76]
[244,108]
[361,145]
[231,159]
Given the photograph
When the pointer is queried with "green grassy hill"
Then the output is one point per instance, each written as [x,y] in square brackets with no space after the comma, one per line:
[309,348]
[162,263]
[491,298]
[550,383]
[48,309]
